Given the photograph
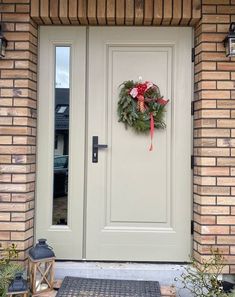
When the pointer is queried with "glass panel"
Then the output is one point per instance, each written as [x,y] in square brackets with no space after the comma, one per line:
[232,46]
[61,146]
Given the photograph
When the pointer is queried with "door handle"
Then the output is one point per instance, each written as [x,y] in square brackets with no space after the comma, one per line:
[95,148]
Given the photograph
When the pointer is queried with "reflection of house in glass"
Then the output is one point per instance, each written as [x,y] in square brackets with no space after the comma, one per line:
[61,121]
[61,156]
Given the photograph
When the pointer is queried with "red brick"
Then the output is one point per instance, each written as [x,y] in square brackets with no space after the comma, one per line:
[226,220]
[215,210]
[228,66]
[214,230]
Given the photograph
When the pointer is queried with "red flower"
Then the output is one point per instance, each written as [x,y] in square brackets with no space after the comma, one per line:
[162,101]
[141,88]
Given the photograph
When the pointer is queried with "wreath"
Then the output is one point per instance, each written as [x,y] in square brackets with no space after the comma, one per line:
[141,106]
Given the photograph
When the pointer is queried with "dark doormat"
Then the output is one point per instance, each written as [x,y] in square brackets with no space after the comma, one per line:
[88,287]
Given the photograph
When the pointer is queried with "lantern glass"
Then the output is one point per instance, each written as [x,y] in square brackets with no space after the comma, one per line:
[41,273]
[232,46]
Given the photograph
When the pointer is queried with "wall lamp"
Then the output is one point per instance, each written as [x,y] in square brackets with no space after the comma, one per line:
[3,44]
[229,41]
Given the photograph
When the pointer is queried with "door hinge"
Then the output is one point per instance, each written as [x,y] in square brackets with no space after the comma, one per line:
[192,108]
[193,54]
[192,227]
[192,161]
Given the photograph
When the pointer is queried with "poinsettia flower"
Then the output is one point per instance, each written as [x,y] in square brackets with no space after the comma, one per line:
[162,101]
[141,88]
[134,92]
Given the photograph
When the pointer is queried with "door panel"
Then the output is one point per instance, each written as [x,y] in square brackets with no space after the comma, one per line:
[130,164]
[66,236]
[138,202]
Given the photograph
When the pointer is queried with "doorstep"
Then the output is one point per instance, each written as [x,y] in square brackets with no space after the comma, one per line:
[165,274]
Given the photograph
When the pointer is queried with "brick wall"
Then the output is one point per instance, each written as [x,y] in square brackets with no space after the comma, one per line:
[214,132]
[17,125]
[214,120]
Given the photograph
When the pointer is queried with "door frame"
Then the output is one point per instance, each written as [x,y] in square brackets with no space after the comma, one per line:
[86,154]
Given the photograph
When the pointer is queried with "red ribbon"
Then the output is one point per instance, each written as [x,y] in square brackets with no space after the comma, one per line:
[151,131]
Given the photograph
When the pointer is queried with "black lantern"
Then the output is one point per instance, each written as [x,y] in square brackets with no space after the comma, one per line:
[229,41]
[3,44]
[41,267]
[18,287]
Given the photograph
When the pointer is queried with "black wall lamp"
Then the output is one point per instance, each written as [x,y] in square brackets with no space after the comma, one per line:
[229,41]
[3,44]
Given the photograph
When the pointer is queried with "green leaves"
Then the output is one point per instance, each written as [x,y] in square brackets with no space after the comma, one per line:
[202,279]
[129,114]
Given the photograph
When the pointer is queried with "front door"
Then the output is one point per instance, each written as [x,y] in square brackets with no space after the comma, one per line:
[133,204]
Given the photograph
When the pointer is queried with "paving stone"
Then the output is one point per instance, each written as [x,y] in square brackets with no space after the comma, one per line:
[47,294]
[168,291]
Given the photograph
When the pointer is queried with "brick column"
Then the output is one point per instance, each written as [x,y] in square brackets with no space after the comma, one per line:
[214,132]
[17,125]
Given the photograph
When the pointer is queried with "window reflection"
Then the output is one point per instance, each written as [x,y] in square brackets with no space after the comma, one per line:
[61,147]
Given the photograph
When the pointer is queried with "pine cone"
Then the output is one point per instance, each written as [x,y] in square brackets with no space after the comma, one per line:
[141,106]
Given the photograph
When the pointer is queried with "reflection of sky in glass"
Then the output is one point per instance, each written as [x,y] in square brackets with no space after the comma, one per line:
[62,67]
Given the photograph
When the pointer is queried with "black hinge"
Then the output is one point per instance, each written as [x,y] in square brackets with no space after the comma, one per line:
[192,162]
[193,54]
[192,108]
[192,227]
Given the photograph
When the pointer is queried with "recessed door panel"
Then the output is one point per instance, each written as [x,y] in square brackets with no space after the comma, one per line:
[131,197]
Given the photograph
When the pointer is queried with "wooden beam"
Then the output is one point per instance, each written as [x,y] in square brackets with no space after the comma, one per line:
[120,12]
[187,12]
[63,11]
[34,11]
[91,12]
[158,12]
[110,12]
[116,12]
[167,12]
[73,14]
[82,12]
[54,12]
[129,12]
[139,12]
[177,12]
[196,11]
[44,12]
[148,12]
[101,12]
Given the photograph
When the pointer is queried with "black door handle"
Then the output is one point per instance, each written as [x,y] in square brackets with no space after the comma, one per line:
[95,148]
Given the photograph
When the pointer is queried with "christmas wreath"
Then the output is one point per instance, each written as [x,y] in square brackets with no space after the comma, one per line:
[141,106]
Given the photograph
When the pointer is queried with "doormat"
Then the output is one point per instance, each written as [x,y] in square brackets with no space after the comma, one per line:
[88,287]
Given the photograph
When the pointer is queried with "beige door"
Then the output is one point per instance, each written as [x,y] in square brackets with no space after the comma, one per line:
[132,205]
[138,202]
